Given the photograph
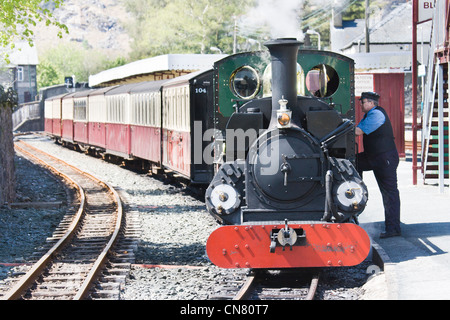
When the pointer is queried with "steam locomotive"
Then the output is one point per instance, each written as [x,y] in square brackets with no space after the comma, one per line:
[287,190]
[270,133]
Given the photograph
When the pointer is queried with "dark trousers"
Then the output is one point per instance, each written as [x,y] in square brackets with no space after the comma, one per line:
[384,167]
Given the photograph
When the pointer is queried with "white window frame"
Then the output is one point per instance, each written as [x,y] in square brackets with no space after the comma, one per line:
[20,74]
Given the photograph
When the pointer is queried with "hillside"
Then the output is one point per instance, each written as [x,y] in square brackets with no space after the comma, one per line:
[97,24]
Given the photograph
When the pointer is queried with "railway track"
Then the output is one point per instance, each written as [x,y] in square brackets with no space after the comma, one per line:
[82,260]
[273,285]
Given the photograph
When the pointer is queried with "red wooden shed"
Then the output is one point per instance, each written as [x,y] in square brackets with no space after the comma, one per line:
[390,87]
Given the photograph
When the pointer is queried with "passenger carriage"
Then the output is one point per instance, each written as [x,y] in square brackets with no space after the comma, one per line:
[80,121]
[117,132]
[48,116]
[145,125]
[52,114]
[67,118]
[185,116]
[96,114]
[162,122]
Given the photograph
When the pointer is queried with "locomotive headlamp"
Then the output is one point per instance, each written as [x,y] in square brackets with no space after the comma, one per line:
[283,119]
[284,114]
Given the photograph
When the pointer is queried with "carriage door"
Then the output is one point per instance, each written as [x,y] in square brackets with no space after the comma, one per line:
[201,113]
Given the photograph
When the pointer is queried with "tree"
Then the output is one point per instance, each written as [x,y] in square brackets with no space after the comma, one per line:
[16,20]
[71,58]
[182,26]
[47,75]
[8,99]
[18,17]
[355,11]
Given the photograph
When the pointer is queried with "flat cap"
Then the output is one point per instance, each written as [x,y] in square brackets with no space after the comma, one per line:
[370,95]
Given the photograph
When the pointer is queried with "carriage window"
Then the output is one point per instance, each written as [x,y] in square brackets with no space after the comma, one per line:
[182,109]
[119,109]
[167,108]
[147,111]
[172,110]
[180,113]
[144,109]
[322,81]
[151,109]
[245,82]
[137,110]
[110,108]
[156,107]
[186,118]
[80,109]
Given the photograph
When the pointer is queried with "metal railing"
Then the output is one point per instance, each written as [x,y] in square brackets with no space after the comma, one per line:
[25,112]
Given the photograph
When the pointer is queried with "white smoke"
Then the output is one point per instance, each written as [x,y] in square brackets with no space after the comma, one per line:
[282,17]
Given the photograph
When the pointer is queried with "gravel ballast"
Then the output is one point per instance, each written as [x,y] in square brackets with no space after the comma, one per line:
[171,262]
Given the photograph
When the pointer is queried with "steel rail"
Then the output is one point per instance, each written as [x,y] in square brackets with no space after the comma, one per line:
[36,270]
[82,293]
[313,287]
[245,289]
[30,277]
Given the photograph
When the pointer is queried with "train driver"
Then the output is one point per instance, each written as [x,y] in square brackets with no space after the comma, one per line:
[380,155]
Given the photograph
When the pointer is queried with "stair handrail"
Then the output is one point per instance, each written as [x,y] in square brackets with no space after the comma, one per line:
[425,144]
[430,92]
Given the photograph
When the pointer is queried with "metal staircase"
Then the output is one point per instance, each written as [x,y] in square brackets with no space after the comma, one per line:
[435,139]
[435,116]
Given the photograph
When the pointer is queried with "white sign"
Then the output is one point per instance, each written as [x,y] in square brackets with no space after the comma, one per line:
[425,10]
[422,70]
[363,83]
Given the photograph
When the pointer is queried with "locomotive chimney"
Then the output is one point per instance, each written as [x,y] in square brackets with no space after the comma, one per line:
[284,72]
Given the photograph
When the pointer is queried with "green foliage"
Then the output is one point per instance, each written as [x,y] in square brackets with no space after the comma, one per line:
[182,26]
[17,19]
[69,59]
[109,64]
[8,98]
[46,74]
[355,11]
[357,8]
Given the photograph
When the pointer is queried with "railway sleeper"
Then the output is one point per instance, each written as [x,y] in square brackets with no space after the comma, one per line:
[62,278]
[106,294]
[113,278]
[116,272]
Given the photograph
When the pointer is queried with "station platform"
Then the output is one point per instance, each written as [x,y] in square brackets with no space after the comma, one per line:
[416,264]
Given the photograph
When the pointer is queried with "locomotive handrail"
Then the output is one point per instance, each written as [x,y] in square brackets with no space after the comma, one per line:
[344,128]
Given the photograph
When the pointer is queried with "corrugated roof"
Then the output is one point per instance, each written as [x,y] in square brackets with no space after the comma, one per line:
[191,62]
[148,86]
[395,28]
[382,60]
[100,91]
[59,96]
[185,78]
[126,88]
[83,93]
